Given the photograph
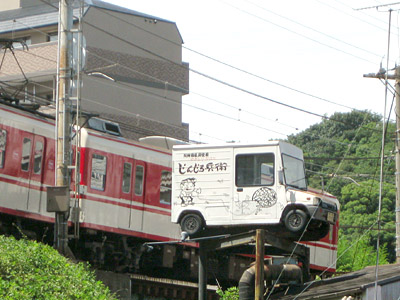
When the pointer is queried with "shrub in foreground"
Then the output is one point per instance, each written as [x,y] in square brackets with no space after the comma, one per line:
[30,270]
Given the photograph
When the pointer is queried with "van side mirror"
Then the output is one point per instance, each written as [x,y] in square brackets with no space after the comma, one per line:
[280,178]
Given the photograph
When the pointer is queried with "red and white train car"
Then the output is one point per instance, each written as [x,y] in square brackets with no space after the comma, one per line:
[124,196]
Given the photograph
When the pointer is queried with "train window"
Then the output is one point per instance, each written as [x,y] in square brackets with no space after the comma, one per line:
[165,187]
[26,154]
[99,170]
[37,166]
[126,178]
[3,142]
[139,180]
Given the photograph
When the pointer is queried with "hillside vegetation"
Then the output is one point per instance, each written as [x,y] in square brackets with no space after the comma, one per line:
[34,271]
[342,155]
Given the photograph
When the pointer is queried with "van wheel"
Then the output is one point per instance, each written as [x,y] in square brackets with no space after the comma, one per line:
[296,220]
[191,223]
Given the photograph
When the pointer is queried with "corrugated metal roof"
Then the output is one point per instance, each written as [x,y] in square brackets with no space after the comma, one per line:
[345,285]
[45,15]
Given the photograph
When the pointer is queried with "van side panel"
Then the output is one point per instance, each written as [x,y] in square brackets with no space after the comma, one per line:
[202,182]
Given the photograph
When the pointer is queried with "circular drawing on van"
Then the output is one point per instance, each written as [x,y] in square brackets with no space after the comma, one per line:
[265,197]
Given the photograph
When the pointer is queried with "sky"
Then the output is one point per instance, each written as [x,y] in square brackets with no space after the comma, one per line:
[293,62]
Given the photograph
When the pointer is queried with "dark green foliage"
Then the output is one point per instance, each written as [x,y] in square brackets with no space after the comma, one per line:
[354,180]
[34,271]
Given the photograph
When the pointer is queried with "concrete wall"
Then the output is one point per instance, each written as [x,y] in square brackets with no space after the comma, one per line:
[101,95]
[9,4]
[149,97]
[139,33]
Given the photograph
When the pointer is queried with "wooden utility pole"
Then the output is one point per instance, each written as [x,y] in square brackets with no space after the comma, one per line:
[259,274]
[63,133]
[395,77]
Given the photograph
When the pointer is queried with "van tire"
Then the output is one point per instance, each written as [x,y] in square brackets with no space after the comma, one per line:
[191,223]
[296,220]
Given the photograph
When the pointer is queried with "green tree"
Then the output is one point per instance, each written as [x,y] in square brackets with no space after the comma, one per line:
[360,211]
[345,149]
[356,254]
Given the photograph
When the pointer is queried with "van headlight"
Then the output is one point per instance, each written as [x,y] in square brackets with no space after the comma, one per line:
[316,200]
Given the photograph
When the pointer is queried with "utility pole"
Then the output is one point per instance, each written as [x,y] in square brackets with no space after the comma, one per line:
[63,131]
[397,207]
[259,272]
[395,77]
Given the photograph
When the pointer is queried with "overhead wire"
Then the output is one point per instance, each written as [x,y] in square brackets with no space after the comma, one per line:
[207,76]
[216,79]
[154,78]
[227,64]
[313,29]
[351,15]
[297,33]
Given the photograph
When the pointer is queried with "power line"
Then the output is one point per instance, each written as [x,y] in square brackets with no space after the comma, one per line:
[229,65]
[297,33]
[352,16]
[313,29]
[208,76]
[154,78]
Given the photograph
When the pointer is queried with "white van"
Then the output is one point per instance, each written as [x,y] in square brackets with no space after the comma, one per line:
[245,185]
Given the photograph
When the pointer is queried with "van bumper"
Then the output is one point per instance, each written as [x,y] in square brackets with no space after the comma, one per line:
[323,212]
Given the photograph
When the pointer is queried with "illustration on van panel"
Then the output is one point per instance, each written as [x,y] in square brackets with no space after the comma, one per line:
[265,198]
[188,191]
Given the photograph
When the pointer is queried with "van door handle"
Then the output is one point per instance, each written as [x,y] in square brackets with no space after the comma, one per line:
[239,189]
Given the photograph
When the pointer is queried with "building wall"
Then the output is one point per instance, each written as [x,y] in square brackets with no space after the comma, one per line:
[150,76]
[152,97]
[9,4]
[14,4]
[104,96]
[143,39]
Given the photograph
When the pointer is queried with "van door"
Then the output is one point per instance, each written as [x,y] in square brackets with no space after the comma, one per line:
[255,185]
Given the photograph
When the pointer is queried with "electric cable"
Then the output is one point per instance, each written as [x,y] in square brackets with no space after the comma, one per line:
[313,29]
[205,75]
[229,65]
[297,33]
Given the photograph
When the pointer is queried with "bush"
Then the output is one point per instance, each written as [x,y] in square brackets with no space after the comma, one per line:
[30,270]
[231,293]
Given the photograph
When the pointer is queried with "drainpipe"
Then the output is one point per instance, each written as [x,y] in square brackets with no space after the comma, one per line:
[271,272]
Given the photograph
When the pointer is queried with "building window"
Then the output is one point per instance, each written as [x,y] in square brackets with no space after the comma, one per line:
[26,154]
[165,187]
[126,178]
[139,180]
[255,169]
[37,166]
[3,143]
[52,36]
[99,170]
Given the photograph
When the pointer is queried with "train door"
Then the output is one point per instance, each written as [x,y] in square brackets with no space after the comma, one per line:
[137,207]
[36,194]
[126,193]
[32,150]
[255,186]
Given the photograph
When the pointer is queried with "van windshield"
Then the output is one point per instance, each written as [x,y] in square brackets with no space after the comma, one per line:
[294,172]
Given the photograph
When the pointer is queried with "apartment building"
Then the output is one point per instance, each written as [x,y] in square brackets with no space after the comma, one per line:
[132,68]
